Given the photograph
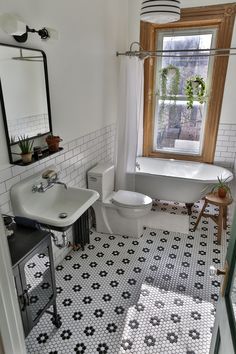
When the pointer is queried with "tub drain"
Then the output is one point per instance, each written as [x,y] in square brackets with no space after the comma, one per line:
[63,215]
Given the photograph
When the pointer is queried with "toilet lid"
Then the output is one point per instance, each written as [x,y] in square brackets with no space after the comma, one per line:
[131,199]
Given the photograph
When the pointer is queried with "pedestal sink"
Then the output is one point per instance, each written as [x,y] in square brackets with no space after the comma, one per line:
[57,207]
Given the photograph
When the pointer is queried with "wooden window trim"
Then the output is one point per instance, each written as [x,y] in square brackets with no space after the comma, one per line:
[220,16]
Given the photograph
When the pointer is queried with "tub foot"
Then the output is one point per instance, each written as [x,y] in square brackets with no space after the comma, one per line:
[189,207]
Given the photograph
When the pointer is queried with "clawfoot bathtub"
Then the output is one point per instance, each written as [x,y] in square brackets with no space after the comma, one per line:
[180,181]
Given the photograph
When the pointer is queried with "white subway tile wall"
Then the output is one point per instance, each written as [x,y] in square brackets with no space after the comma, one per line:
[31,125]
[73,163]
[226,146]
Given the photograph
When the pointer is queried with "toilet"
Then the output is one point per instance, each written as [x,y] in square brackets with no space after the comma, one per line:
[121,212]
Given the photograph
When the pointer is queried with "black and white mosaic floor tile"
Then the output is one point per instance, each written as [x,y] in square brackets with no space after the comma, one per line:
[147,295]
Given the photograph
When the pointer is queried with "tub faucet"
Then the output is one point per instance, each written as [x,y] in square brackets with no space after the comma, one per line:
[137,165]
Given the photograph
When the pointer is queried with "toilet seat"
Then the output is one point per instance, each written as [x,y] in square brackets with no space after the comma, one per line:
[127,199]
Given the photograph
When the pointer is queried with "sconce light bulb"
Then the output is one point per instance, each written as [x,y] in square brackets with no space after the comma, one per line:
[12,25]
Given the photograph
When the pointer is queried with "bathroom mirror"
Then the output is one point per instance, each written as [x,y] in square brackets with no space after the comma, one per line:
[24,93]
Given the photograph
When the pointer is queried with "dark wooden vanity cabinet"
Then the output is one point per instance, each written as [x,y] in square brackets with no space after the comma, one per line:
[33,269]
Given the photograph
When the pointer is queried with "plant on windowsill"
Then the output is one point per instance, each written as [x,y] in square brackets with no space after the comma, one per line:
[195,89]
[53,142]
[26,147]
[222,187]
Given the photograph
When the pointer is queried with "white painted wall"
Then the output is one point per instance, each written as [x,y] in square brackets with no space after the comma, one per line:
[229,103]
[83,68]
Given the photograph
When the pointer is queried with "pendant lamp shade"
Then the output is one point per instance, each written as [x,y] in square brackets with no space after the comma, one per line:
[158,11]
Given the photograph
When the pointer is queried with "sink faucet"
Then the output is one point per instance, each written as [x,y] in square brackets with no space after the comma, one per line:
[52,178]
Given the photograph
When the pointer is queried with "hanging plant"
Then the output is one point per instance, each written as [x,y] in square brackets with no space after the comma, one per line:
[172,74]
[195,88]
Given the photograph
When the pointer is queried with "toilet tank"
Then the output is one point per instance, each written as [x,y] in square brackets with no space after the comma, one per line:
[101,179]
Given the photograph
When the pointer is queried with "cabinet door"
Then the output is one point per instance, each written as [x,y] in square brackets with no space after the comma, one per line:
[22,299]
[38,279]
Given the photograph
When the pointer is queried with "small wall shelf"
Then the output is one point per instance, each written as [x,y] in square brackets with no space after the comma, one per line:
[45,153]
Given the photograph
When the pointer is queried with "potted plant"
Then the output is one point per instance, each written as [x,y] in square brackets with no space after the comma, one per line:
[25,145]
[53,142]
[172,74]
[221,188]
[195,89]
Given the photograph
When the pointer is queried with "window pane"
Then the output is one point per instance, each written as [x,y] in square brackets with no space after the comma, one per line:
[179,130]
[176,128]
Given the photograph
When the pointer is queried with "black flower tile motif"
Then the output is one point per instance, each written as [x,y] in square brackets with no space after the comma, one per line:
[155,321]
[77,288]
[110,262]
[195,315]
[194,334]
[149,341]
[125,261]
[87,300]
[175,318]
[67,302]
[107,297]
[95,286]
[120,271]
[119,310]
[42,338]
[31,265]
[68,258]
[84,256]
[67,277]
[59,267]
[135,243]
[80,348]
[89,331]
[126,344]
[111,327]
[66,334]
[98,313]
[115,253]
[102,348]
[59,289]
[137,270]
[134,324]
[100,254]
[77,316]
[76,266]
[172,337]
[114,283]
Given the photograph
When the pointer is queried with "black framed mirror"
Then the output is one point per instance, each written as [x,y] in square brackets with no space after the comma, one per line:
[24,96]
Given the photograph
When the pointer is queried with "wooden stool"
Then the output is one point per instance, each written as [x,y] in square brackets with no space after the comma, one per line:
[221,218]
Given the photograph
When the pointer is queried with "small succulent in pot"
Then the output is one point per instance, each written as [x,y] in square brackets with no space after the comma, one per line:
[26,147]
[222,187]
[53,142]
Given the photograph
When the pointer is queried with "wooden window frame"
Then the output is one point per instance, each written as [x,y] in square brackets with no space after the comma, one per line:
[219,16]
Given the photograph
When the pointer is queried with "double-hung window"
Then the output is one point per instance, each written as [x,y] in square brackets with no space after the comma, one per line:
[171,129]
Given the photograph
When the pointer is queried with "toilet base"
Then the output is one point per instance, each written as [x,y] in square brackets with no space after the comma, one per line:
[109,221]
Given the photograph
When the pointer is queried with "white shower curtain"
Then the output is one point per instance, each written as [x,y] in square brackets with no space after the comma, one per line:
[129,140]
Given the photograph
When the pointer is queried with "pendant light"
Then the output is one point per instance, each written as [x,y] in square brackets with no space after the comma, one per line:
[158,11]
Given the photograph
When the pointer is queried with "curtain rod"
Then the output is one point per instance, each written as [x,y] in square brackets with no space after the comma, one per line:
[170,52]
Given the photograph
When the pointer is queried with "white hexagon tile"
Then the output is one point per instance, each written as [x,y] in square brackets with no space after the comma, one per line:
[149,295]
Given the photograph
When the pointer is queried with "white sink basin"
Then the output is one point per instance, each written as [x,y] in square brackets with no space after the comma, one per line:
[45,207]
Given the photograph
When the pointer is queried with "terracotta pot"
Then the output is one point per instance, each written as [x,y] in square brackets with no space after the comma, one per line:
[222,192]
[26,158]
[53,142]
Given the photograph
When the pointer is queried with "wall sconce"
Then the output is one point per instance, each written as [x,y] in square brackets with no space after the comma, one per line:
[18,29]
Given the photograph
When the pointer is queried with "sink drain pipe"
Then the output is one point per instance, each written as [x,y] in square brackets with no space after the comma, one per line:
[63,244]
